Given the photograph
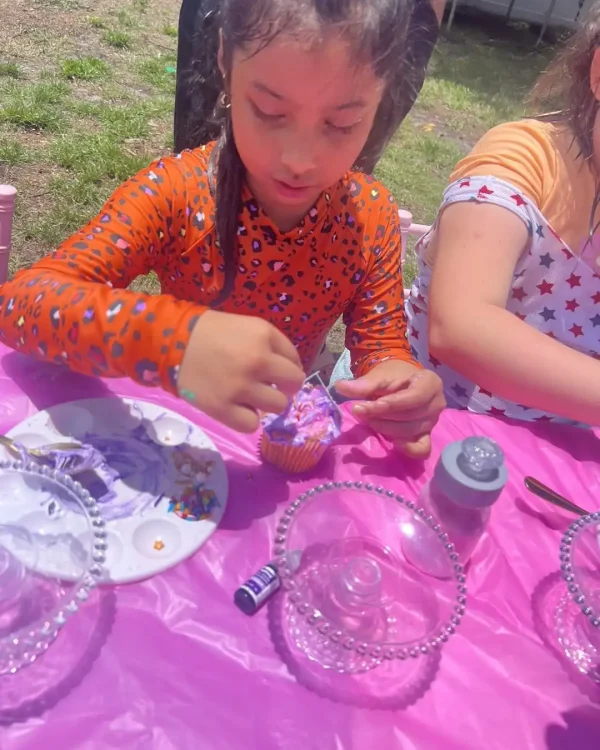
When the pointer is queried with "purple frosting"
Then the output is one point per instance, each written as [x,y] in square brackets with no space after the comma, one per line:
[311,415]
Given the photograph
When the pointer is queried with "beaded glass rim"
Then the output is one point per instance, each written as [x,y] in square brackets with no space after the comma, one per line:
[70,604]
[314,617]
[566,565]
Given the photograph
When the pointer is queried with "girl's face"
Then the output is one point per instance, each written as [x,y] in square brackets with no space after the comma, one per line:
[301,116]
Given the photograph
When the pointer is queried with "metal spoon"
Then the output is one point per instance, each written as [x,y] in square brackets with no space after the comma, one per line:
[80,459]
[545,493]
[38,452]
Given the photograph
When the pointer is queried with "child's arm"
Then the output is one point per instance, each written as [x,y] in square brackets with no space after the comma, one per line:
[396,398]
[375,320]
[72,307]
[476,249]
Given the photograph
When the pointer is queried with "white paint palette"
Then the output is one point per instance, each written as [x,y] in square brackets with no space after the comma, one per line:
[161,485]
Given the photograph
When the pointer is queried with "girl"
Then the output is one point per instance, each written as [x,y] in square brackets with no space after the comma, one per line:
[198,84]
[506,308]
[260,241]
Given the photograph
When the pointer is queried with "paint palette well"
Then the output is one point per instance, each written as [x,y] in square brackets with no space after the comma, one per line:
[161,485]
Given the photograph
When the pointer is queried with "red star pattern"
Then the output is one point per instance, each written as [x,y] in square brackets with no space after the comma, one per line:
[596,298]
[497,412]
[545,287]
[520,316]
[574,280]
[435,362]
[571,305]
[416,309]
[518,200]
[551,335]
[519,294]
[543,418]
[576,330]
[415,334]
[485,191]
[567,252]
[465,184]
[484,392]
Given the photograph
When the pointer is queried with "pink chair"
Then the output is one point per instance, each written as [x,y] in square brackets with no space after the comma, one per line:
[7,207]
[408,228]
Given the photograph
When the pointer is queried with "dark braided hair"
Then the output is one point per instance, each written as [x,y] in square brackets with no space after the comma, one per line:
[376,29]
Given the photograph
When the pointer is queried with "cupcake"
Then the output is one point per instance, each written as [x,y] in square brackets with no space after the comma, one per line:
[296,440]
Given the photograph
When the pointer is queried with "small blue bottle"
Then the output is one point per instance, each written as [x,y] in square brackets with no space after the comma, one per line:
[252,594]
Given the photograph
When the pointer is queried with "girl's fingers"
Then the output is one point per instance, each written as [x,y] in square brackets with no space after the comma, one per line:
[384,409]
[419,448]
[401,430]
[283,346]
[239,418]
[265,398]
[285,375]
[421,390]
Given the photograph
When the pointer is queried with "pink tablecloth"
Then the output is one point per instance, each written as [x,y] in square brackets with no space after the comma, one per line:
[175,666]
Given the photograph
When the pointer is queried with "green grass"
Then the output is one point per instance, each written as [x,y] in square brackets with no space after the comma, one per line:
[9,70]
[125,21]
[12,152]
[33,106]
[67,147]
[97,23]
[96,157]
[64,5]
[95,166]
[117,39]
[84,69]
[478,78]
[468,82]
[125,122]
[416,169]
[158,72]
[141,6]
[50,229]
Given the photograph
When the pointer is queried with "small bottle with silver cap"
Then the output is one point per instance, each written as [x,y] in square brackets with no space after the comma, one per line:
[468,479]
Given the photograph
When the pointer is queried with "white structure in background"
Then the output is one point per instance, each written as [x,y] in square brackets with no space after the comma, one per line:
[565,13]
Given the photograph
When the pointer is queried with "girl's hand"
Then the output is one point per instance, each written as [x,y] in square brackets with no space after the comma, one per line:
[236,366]
[400,402]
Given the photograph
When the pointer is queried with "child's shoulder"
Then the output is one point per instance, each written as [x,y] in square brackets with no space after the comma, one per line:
[368,196]
[524,140]
[531,129]
[527,154]
[191,162]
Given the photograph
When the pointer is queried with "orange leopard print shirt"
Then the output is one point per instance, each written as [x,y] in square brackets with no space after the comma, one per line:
[73,307]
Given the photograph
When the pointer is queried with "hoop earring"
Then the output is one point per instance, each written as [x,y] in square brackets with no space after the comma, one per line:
[224,100]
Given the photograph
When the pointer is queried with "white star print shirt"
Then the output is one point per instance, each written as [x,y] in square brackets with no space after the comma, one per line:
[552,290]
